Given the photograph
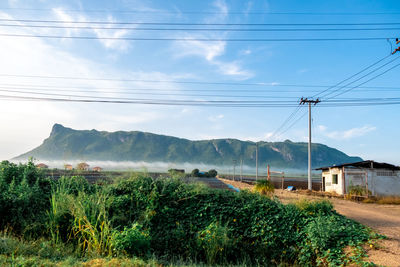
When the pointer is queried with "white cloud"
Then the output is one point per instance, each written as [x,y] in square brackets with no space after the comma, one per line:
[100,33]
[246,52]
[233,69]
[346,134]
[210,51]
[222,6]
[215,118]
[206,50]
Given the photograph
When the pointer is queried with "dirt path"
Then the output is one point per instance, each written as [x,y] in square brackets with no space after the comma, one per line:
[385,219]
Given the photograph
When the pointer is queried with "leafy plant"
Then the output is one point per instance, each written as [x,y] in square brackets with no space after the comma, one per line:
[132,241]
[215,241]
[265,187]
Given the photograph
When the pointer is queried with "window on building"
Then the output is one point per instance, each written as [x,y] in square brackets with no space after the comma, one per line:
[334,178]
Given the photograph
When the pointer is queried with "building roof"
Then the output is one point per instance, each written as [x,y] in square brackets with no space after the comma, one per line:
[364,164]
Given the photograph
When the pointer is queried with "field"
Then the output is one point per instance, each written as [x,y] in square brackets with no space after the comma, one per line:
[143,221]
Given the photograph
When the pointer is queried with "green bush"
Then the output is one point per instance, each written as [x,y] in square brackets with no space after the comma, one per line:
[212,173]
[132,241]
[24,198]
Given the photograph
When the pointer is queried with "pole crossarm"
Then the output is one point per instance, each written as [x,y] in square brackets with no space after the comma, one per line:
[398,48]
[306,100]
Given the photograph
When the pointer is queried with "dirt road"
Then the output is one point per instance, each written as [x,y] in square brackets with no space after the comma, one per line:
[385,219]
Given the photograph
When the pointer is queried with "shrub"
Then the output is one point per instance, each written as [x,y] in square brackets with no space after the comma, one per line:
[133,241]
[24,198]
[265,187]
[357,190]
[212,173]
[195,173]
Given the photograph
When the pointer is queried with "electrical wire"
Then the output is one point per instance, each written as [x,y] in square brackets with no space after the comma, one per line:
[257,84]
[197,39]
[200,24]
[195,29]
[204,12]
[364,76]
[373,78]
[352,76]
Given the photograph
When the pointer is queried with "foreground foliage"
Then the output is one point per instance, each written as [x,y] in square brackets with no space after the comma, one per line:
[168,219]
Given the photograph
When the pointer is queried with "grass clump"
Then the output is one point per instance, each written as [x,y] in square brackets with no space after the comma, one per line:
[264,187]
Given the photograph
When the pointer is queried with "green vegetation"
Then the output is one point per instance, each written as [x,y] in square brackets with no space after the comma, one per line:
[265,187]
[150,222]
[65,143]
[210,174]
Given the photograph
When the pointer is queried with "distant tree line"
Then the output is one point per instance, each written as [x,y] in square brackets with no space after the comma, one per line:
[197,173]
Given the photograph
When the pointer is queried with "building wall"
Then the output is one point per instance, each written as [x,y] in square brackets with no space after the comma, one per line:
[386,183]
[329,186]
[381,182]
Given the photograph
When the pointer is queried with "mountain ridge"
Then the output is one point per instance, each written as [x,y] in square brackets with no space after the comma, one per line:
[66,143]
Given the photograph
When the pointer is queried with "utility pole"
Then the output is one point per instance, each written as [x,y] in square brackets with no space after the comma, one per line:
[302,102]
[398,48]
[234,169]
[256,161]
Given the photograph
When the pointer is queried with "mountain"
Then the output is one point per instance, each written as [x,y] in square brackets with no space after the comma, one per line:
[68,144]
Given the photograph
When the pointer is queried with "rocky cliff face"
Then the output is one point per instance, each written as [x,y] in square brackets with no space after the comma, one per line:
[68,144]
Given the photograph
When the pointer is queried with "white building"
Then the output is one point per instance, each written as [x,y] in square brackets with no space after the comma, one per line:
[380,179]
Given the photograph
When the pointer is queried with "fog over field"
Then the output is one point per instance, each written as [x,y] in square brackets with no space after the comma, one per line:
[161,166]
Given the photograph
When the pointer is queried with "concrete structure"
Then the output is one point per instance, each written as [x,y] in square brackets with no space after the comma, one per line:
[377,179]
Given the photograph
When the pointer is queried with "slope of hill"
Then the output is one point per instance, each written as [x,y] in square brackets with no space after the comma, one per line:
[68,144]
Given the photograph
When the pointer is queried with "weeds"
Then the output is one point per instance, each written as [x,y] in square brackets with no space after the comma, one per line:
[265,187]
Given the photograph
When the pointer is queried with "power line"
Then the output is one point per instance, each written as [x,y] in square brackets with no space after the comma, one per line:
[285,122]
[369,73]
[205,12]
[373,78]
[200,24]
[257,84]
[193,103]
[196,29]
[129,90]
[292,115]
[352,76]
[199,39]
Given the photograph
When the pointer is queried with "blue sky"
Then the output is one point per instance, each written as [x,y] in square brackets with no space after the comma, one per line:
[370,131]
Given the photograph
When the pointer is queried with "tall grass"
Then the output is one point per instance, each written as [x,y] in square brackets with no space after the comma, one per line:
[91,226]
[264,187]
[78,216]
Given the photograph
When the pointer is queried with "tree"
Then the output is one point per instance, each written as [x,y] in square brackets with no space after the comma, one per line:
[212,173]
[83,166]
[195,173]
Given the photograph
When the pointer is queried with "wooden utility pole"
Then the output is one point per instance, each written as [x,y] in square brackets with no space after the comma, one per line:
[302,102]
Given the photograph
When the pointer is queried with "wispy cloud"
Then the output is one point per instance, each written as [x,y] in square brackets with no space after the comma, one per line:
[100,33]
[215,118]
[210,51]
[346,134]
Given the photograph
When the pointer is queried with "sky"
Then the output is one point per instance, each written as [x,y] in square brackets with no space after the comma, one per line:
[200,66]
